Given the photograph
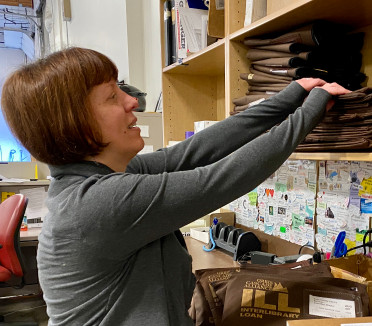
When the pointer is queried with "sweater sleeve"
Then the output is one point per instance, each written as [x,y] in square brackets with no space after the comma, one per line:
[224,137]
[140,208]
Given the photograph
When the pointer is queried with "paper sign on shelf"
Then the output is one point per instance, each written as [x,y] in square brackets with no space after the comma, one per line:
[144,131]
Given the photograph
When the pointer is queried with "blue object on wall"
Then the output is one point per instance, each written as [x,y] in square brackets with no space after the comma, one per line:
[197,4]
[10,148]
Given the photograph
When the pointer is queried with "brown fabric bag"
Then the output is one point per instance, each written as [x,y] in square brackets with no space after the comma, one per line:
[315,34]
[257,54]
[355,144]
[199,311]
[358,264]
[207,276]
[249,99]
[287,48]
[361,95]
[285,62]
[303,36]
[213,281]
[262,78]
[299,72]
[322,127]
[315,138]
[267,88]
[264,74]
[266,299]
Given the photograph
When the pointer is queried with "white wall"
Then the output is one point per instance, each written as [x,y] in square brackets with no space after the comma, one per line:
[136,42]
[143,23]
[101,25]
[152,53]
[128,32]
[95,24]
[10,60]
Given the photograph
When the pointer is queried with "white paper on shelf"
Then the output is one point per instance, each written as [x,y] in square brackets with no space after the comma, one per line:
[12,180]
[36,207]
[192,24]
[144,131]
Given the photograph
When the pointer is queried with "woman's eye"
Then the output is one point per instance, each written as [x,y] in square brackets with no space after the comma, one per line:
[113,96]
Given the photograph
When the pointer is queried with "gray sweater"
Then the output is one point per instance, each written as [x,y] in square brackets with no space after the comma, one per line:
[108,254]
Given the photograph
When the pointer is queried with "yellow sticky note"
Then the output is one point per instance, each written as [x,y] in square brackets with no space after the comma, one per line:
[350,244]
[359,237]
[252,198]
[367,187]
[322,205]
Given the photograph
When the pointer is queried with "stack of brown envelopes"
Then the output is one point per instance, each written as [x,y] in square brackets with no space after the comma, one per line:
[272,294]
[320,50]
[348,126]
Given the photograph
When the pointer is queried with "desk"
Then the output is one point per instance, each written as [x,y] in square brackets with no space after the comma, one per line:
[28,243]
[202,259]
[30,235]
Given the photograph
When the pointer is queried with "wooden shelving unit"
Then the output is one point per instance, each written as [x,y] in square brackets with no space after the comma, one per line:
[26,183]
[202,88]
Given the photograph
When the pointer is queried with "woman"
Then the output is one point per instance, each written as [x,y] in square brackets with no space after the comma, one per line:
[108,253]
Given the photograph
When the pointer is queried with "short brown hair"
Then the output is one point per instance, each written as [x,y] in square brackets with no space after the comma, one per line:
[46,104]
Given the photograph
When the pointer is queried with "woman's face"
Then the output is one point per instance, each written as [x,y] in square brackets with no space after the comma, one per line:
[113,110]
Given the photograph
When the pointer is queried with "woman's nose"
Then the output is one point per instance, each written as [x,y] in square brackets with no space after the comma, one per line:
[131,103]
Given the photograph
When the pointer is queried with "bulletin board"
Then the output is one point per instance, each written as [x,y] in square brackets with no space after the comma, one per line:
[283,205]
[343,202]
[311,202]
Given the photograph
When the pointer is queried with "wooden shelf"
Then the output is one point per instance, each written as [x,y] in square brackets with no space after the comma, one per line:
[356,14]
[26,183]
[209,62]
[204,85]
[331,156]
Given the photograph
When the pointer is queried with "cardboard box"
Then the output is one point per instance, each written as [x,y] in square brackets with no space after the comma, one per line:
[275,5]
[207,220]
[330,321]
[254,10]
[225,217]
[216,20]
[200,125]
[201,222]
[201,234]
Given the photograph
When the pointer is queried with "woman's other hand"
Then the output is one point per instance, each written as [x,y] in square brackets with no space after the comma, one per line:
[334,89]
[309,83]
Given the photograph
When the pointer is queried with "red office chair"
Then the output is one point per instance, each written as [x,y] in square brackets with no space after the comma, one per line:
[12,211]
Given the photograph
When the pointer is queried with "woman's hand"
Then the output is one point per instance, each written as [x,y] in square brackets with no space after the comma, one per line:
[333,89]
[309,83]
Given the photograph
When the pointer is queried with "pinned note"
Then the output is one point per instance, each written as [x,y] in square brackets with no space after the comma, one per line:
[366,192]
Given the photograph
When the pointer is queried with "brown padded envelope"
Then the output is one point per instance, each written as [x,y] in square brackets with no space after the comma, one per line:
[267,88]
[286,62]
[257,54]
[357,144]
[303,36]
[261,77]
[286,47]
[249,99]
